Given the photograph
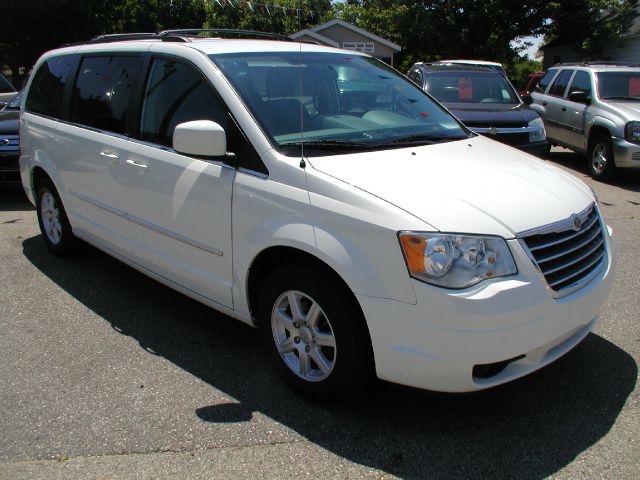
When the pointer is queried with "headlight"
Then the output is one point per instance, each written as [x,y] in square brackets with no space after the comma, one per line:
[455,261]
[538,135]
[632,132]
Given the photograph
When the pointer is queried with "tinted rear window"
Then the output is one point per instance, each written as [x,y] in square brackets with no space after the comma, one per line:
[560,83]
[47,88]
[545,81]
[102,91]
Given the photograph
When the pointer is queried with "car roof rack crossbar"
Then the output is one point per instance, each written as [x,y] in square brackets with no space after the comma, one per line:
[195,32]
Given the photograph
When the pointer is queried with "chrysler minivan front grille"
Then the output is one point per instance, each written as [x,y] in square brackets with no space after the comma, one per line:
[568,253]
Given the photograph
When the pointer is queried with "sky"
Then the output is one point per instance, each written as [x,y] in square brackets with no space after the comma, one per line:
[532,51]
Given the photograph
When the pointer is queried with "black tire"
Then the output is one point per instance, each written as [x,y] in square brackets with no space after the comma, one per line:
[350,359]
[545,151]
[600,161]
[52,218]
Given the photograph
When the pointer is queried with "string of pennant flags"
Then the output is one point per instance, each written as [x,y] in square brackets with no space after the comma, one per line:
[270,9]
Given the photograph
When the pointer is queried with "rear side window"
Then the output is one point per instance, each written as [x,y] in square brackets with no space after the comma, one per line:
[581,82]
[545,81]
[47,89]
[560,84]
[102,92]
[176,93]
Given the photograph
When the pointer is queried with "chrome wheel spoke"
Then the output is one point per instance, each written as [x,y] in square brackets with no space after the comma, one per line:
[284,320]
[287,345]
[323,364]
[323,339]
[313,315]
[294,305]
[305,364]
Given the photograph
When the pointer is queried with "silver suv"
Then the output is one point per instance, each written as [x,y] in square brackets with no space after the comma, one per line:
[593,108]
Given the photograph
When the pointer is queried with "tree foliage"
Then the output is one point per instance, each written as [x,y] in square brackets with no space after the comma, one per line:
[275,16]
[588,24]
[426,29]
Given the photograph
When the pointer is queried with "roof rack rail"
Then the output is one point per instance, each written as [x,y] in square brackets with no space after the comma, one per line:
[194,32]
[596,62]
[120,37]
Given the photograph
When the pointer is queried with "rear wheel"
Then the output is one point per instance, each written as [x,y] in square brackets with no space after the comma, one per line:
[53,221]
[600,156]
[313,334]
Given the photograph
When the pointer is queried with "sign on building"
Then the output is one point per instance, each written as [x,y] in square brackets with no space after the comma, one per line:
[365,47]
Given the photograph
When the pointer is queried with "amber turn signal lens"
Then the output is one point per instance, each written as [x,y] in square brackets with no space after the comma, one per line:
[414,248]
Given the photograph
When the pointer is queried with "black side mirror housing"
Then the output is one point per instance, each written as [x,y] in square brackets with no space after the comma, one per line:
[580,97]
[527,99]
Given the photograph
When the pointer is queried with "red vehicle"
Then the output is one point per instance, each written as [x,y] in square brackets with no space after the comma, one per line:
[532,81]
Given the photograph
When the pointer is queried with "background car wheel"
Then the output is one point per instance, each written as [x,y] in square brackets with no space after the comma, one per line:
[53,221]
[315,337]
[600,157]
[545,151]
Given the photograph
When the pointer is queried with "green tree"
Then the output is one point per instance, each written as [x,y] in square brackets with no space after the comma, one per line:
[28,28]
[588,24]
[274,16]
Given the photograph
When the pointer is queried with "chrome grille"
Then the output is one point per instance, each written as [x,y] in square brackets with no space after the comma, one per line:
[9,143]
[568,258]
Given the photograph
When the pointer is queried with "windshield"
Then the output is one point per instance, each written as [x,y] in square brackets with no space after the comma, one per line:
[619,85]
[335,101]
[5,86]
[470,87]
[14,103]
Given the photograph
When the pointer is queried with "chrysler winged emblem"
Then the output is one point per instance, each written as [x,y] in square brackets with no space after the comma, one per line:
[492,131]
[4,141]
[576,223]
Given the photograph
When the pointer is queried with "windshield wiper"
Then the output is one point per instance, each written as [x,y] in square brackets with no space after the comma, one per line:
[329,144]
[413,139]
[620,97]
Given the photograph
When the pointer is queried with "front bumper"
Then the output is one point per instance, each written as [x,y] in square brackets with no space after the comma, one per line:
[436,343]
[625,154]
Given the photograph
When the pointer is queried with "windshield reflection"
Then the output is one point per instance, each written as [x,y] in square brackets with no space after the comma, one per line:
[334,101]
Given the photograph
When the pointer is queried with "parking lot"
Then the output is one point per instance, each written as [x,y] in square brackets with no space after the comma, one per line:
[105,373]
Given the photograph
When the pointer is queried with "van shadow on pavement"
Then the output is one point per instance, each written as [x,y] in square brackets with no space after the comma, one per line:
[527,429]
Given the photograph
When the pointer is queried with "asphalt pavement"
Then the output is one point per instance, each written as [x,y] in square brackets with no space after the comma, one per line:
[105,373]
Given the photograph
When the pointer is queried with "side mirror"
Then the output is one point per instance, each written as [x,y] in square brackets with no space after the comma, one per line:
[202,138]
[580,97]
[527,99]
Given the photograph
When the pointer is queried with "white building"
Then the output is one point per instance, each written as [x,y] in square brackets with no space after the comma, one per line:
[341,34]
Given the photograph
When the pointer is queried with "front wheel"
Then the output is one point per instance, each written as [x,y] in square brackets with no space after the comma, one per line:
[52,218]
[601,163]
[316,339]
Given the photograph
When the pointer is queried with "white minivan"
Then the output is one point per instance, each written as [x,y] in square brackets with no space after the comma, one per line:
[321,196]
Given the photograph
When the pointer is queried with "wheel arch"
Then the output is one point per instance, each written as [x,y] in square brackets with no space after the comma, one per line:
[274,257]
[37,175]
[595,131]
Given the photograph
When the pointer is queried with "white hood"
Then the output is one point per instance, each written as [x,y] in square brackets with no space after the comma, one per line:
[468,186]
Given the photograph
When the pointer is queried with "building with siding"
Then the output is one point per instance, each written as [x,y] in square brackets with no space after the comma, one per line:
[340,34]
[627,49]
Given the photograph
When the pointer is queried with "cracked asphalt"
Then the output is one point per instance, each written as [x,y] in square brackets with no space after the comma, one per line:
[105,373]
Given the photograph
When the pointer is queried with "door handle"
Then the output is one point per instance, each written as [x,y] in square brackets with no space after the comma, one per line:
[115,160]
[564,109]
[133,163]
[544,104]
